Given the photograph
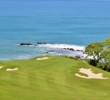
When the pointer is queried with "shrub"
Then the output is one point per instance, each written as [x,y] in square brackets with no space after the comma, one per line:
[101,65]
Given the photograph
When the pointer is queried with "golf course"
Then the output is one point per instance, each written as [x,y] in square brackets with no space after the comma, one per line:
[51,78]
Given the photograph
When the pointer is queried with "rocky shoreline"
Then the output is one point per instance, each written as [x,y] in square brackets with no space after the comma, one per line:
[29,44]
[61,49]
[43,43]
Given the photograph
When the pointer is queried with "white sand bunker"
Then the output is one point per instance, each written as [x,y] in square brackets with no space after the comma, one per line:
[1,67]
[44,58]
[90,74]
[11,69]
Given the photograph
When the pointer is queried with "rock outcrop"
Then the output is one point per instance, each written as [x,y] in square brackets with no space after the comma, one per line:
[25,44]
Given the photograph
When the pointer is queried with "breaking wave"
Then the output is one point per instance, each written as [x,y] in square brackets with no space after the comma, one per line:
[60,46]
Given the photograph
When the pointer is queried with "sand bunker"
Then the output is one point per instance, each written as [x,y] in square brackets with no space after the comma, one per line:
[1,67]
[11,69]
[44,58]
[90,74]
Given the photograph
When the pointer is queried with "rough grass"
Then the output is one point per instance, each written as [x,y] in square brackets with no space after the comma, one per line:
[52,79]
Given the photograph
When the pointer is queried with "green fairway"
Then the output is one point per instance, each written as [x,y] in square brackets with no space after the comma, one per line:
[51,79]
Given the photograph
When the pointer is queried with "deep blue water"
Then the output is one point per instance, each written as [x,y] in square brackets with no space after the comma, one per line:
[73,22]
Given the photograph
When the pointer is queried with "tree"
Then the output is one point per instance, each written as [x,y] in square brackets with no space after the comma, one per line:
[100,51]
[94,49]
[105,56]
[107,43]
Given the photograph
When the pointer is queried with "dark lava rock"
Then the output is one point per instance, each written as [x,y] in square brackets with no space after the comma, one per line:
[71,49]
[25,44]
[80,50]
[41,43]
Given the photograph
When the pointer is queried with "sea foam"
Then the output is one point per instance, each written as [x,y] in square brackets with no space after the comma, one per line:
[61,46]
[59,49]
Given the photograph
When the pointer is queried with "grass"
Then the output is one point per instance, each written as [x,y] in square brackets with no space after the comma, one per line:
[52,79]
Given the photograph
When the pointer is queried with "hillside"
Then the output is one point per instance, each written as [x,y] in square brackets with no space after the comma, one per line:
[51,79]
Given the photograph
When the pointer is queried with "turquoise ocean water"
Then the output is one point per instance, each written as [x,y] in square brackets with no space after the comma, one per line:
[66,23]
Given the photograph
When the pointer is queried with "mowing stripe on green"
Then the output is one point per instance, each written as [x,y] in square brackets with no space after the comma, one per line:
[41,80]
[60,80]
[5,75]
[23,78]
[14,76]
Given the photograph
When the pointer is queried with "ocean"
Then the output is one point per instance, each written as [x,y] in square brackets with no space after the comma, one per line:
[58,23]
